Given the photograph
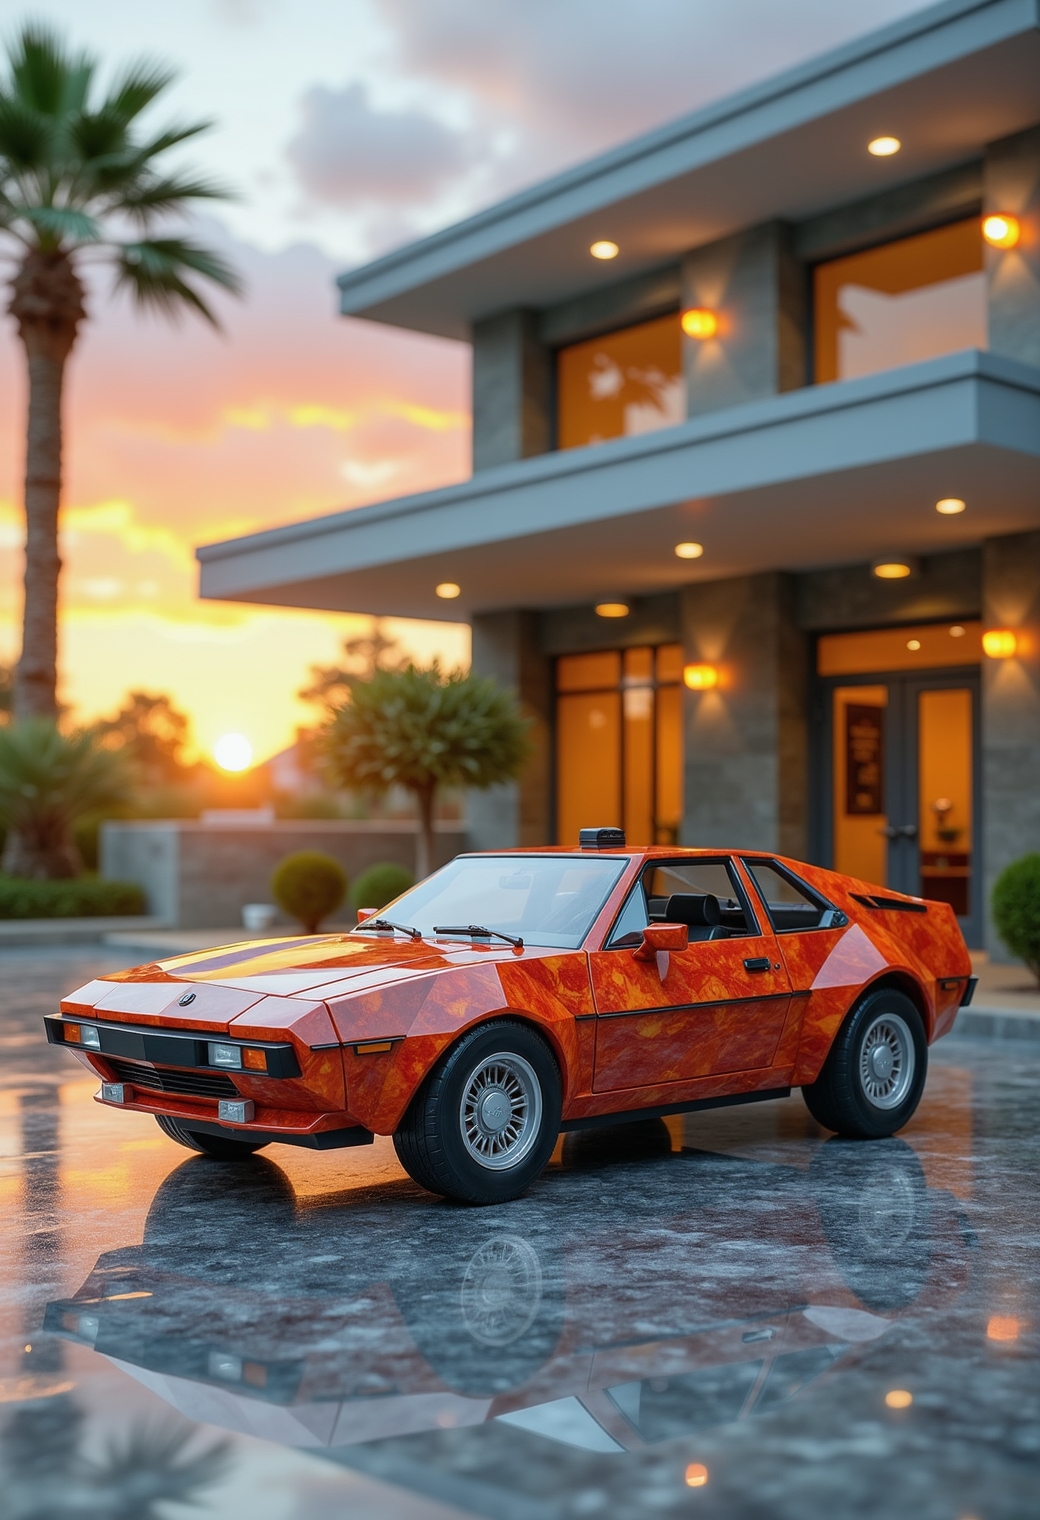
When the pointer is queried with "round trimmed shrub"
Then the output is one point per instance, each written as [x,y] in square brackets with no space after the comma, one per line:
[1016,909]
[379,885]
[309,886]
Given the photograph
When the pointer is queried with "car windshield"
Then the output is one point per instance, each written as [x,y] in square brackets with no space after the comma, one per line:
[547,900]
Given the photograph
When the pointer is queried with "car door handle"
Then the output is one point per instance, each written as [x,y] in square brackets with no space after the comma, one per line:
[757,963]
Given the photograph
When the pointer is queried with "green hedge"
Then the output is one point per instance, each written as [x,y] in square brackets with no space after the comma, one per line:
[81,897]
[1016,909]
[379,885]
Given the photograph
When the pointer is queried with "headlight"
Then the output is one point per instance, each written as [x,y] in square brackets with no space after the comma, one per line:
[229,1056]
[90,1037]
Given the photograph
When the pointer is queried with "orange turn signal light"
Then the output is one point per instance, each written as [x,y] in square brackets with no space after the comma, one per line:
[253,1060]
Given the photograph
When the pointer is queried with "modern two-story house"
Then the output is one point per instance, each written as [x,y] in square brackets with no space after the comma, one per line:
[754,519]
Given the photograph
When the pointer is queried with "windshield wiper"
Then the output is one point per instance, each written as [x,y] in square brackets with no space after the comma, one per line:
[477,931]
[386,923]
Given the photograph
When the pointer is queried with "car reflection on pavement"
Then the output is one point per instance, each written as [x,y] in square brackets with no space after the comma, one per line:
[599,1315]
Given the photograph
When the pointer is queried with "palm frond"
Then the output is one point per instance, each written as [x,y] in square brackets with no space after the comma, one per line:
[138,86]
[60,222]
[46,76]
[26,137]
[143,201]
[97,135]
[153,271]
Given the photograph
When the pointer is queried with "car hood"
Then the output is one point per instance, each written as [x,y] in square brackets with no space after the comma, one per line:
[331,963]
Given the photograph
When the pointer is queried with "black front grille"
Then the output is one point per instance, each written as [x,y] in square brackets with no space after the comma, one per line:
[192,1084]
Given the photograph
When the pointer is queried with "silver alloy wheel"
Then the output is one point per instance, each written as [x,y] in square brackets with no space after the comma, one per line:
[887,1061]
[500,1116]
[501,1291]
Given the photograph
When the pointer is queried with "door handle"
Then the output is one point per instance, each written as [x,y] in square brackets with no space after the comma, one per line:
[906,831]
[757,963]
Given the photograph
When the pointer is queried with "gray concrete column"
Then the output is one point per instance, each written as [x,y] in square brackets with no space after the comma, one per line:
[746,740]
[512,390]
[759,291]
[1011,182]
[1010,712]
[506,646]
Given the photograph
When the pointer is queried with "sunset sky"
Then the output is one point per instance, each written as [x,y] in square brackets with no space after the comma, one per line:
[346,126]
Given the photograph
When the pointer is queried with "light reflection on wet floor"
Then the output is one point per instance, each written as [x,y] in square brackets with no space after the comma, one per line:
[700,1317]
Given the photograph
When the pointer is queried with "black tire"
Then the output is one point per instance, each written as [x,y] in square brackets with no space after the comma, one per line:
[218,1147]
[874,1075]
[505,1075]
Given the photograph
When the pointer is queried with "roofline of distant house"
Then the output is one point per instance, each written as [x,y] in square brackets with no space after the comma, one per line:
[657,155]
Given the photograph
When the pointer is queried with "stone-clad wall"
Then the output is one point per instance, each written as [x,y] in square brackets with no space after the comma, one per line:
[199,876]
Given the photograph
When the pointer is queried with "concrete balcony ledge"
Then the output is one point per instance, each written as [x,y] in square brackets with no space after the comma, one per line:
[816,476]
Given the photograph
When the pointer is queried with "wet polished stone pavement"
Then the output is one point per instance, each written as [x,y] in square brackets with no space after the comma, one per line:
[724,1315]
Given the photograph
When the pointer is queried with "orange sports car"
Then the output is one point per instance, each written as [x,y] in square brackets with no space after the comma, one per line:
[510,996]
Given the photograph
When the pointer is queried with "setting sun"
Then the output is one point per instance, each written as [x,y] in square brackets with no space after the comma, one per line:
[233,752]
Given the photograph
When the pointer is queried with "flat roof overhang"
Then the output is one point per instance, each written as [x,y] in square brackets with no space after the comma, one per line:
[945,81]
[832,474]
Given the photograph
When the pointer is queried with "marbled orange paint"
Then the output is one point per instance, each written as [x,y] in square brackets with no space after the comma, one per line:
[627,1034]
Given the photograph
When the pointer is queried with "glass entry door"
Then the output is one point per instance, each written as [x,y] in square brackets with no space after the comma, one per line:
[902,802]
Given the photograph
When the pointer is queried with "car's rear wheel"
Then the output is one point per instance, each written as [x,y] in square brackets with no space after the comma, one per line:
[483,1125]
[873,1078]
[220,1147]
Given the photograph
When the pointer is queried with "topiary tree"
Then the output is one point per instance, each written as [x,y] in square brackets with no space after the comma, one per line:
[379,885]
[309,886]
[423,729]
[1016,909]
[48,781]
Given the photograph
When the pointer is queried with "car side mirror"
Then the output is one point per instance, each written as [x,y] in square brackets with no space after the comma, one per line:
[363,913]
[673,937]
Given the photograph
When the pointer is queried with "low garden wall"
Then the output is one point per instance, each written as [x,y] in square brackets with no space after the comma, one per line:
[200,875]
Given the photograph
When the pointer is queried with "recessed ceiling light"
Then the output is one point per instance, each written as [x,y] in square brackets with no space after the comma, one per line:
[604,249]
[957,632]
[913,643]
[884,147]
[612,609]
[1001,230]
[448,590]
[689,551]
[950,506]
[892,568]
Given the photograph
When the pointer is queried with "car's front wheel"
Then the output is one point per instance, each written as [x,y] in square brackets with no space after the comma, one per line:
[873,1077]
[483,1125]
[219,1147]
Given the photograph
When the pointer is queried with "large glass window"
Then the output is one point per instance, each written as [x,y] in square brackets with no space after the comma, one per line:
[619,743]
[622,383]
[899,303]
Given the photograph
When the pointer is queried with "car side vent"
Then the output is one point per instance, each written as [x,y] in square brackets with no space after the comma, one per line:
[601,839]
[892,904]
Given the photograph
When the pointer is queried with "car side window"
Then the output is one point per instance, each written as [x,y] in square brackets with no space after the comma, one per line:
[791,904]
[631,921]
[699,879]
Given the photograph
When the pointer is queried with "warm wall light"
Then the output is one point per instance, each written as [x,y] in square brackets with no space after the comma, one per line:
[898,1398]
[1001,231]
[700,677]
[884,147]
[696,1475]
[689,551]
[448,590]
[612,609]
[604,249]
[999,643]
[950,506]
[892,568]
[699,322]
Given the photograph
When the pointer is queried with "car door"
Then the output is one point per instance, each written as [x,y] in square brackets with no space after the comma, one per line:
[719,1006]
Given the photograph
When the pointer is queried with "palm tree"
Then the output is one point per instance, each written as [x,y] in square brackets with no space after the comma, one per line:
[79,177]
[423,729]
